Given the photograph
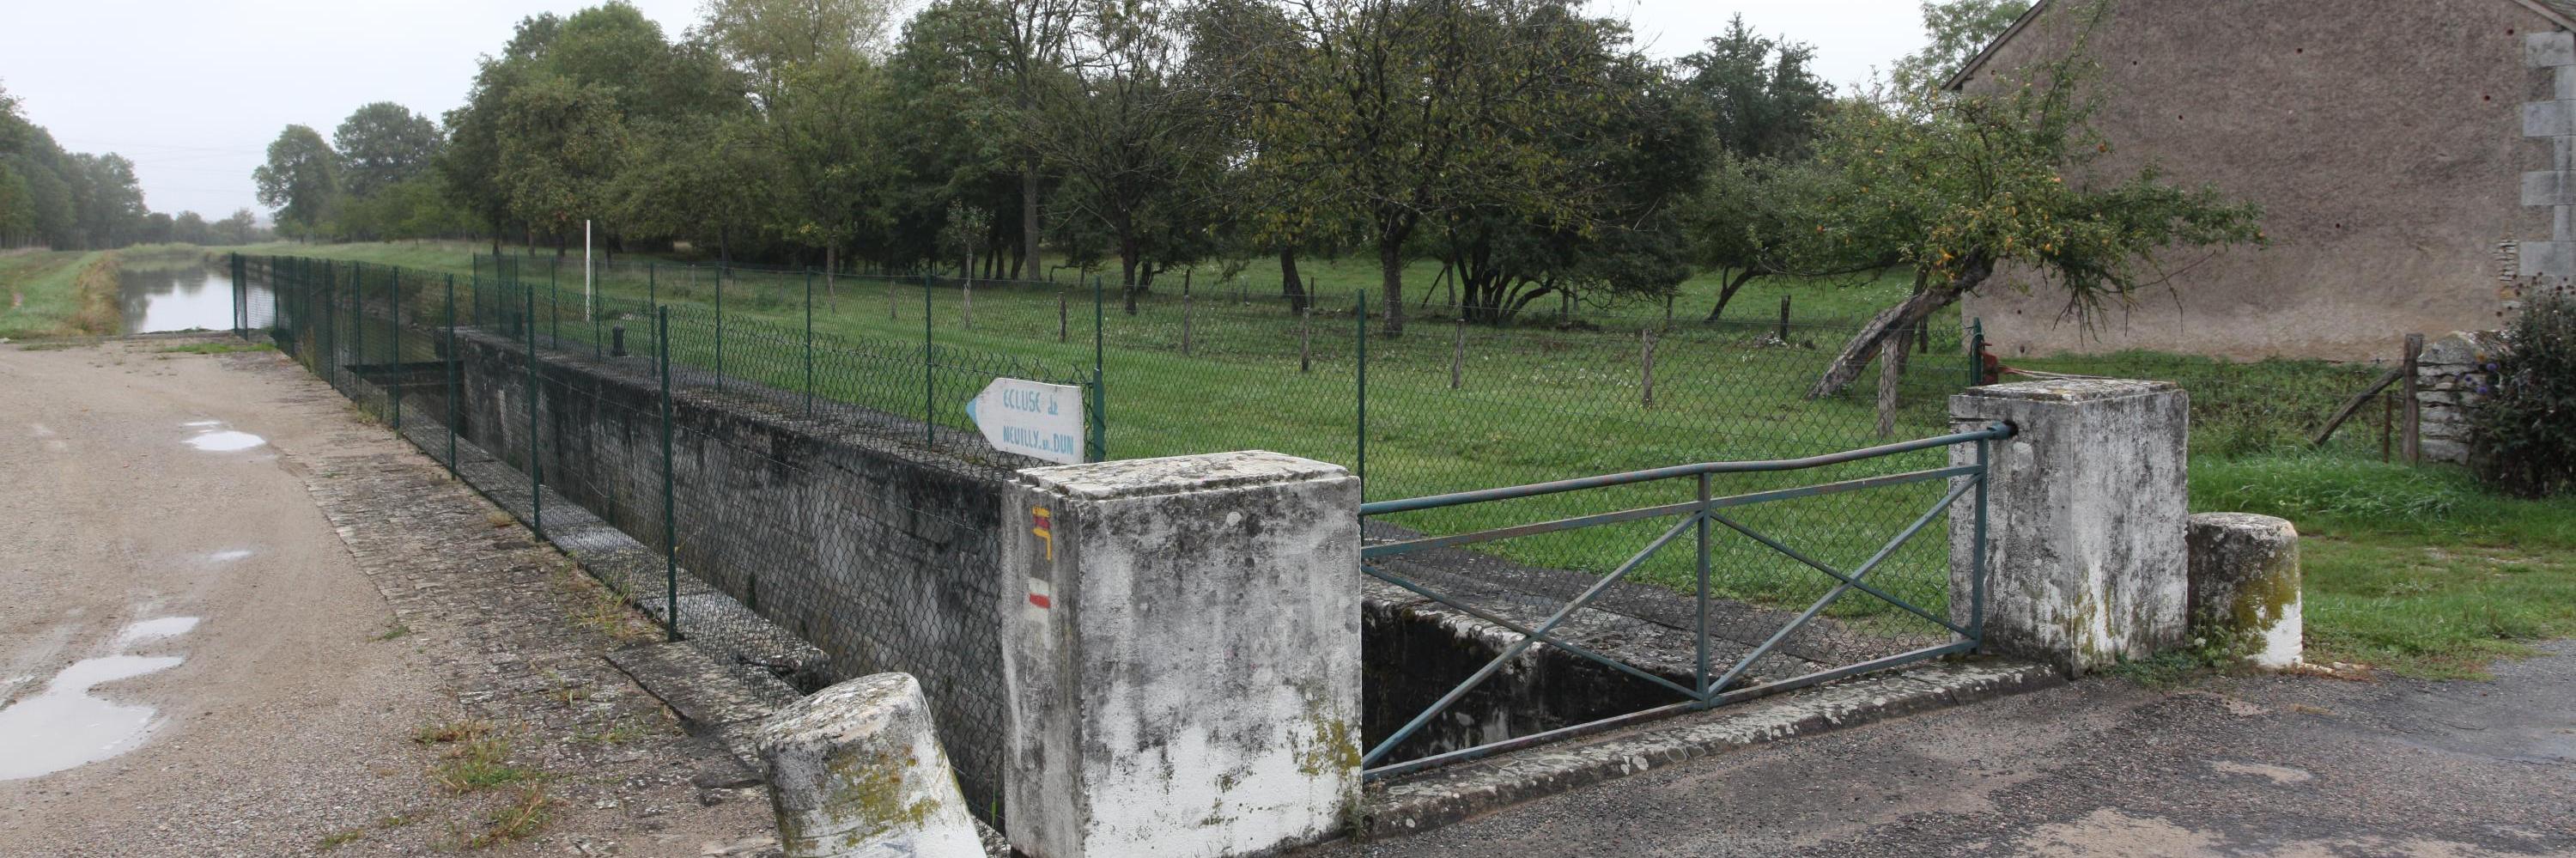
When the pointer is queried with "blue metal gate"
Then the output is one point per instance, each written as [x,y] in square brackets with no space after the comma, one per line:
[1711,683]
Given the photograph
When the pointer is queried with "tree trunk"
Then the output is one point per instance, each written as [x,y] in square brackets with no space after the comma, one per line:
[1863,346]
[1289,286]
[1726,294]
[1390,266]
[1029,212]
[1127,274]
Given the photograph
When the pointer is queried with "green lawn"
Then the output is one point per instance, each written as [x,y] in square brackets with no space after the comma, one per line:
[2410,570]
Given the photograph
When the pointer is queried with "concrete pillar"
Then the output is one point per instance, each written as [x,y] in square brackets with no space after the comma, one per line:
[2085,560]
[1181,641]
[2245,587]
[857,772]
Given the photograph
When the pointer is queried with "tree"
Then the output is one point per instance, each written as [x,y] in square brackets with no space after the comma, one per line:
[1960,186]
[300,180]
[1760,97]
[1410,110]
[1960,30]
[1129,139]
[190,228]
[241,227]
[383,144]
[765,38]
[560,146]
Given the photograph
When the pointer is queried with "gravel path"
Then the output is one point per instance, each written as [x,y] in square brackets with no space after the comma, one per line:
[346,597]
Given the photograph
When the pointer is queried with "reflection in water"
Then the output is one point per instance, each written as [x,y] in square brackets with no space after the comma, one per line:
[177,298]
[66,726]
[225,441]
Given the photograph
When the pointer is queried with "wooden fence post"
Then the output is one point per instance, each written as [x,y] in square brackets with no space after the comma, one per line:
[1646,363]
[1306,339]
[1458,356]
[1784,319]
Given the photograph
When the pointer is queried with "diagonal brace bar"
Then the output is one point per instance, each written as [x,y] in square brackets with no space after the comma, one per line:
[1526,641]
[1836,574]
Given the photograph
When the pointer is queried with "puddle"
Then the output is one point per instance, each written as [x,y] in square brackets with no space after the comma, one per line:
[149,629]
[226,441]
[228,556]
[65,726]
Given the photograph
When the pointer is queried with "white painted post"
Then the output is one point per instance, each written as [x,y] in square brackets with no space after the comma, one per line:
[2085,559]
[856,771]
[1181,644]
[586,279]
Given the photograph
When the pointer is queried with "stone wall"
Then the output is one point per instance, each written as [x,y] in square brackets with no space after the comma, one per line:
[882,556]
[2451,378]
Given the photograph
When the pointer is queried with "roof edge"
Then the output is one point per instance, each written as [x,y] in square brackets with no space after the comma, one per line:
[2543,8]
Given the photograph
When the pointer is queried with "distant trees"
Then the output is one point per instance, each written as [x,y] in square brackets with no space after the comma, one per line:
[65,200]
[301,180]
[1960,29]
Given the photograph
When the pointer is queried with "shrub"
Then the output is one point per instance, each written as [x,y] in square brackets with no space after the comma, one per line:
[2523,439]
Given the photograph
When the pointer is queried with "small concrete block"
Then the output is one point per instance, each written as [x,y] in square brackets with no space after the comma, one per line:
[2085,558]
[2565,83]
[2444,451]
[856,771]
[2548,188]
[2548,258]
[2245,586]
[2548,118]
[2552,49]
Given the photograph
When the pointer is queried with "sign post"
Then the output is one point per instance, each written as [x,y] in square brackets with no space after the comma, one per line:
[1034,419]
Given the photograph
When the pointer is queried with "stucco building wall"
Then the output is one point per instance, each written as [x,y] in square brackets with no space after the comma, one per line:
[2384,140]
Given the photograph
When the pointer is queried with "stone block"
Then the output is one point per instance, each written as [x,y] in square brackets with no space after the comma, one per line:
[2245,599]
[856,771]
[2548,188]
[2563,83]
[2548,118]
[2552,49]
[2444,450]
[2085,559]
[2548,258]
[1181,644]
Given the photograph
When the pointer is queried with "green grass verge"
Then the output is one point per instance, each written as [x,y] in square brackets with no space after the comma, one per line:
[41,294]
[2415,571]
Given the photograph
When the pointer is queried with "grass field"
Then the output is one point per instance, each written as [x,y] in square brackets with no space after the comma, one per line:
[56,293]
[2412,570]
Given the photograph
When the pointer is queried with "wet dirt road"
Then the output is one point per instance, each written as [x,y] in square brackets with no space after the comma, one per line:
[193,661]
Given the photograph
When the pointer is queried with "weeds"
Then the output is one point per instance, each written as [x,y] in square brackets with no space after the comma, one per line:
[398,630]
[480,764]
[526,814]
[343,837]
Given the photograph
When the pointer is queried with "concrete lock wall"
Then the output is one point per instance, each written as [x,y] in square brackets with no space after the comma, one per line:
[880,556]
[2085,557]
[1183,647]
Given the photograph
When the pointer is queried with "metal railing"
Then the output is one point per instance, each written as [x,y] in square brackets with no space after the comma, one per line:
[1710,686]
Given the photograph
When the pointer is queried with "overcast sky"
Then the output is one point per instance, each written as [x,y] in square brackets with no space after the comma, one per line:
[193,91]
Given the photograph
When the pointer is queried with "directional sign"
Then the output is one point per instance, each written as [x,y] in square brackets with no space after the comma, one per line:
[1034,419]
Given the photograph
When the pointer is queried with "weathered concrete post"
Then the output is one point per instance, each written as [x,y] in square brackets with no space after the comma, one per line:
[2085,559]
[856,771]
[2245,587]
[1181,642]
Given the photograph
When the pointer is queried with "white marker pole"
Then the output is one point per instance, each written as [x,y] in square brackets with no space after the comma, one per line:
[586,279]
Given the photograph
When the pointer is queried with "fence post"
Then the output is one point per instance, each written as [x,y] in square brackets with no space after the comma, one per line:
[1784,318]
[449,364]
[358,313]
[329,360]
[241,300]
[809,344]
[1306,339]
[1458,356]
[670,526]
[536,469]
[1063,317]
[1646,362]
[720,373]
[1362,331]
[1186,318]
[1976,352]
[652,287]
[395,364]
[1099,391]
[929,375]
[554,305]
[2413,439]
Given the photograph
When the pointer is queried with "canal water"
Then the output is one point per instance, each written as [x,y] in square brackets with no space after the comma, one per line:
[176,295]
